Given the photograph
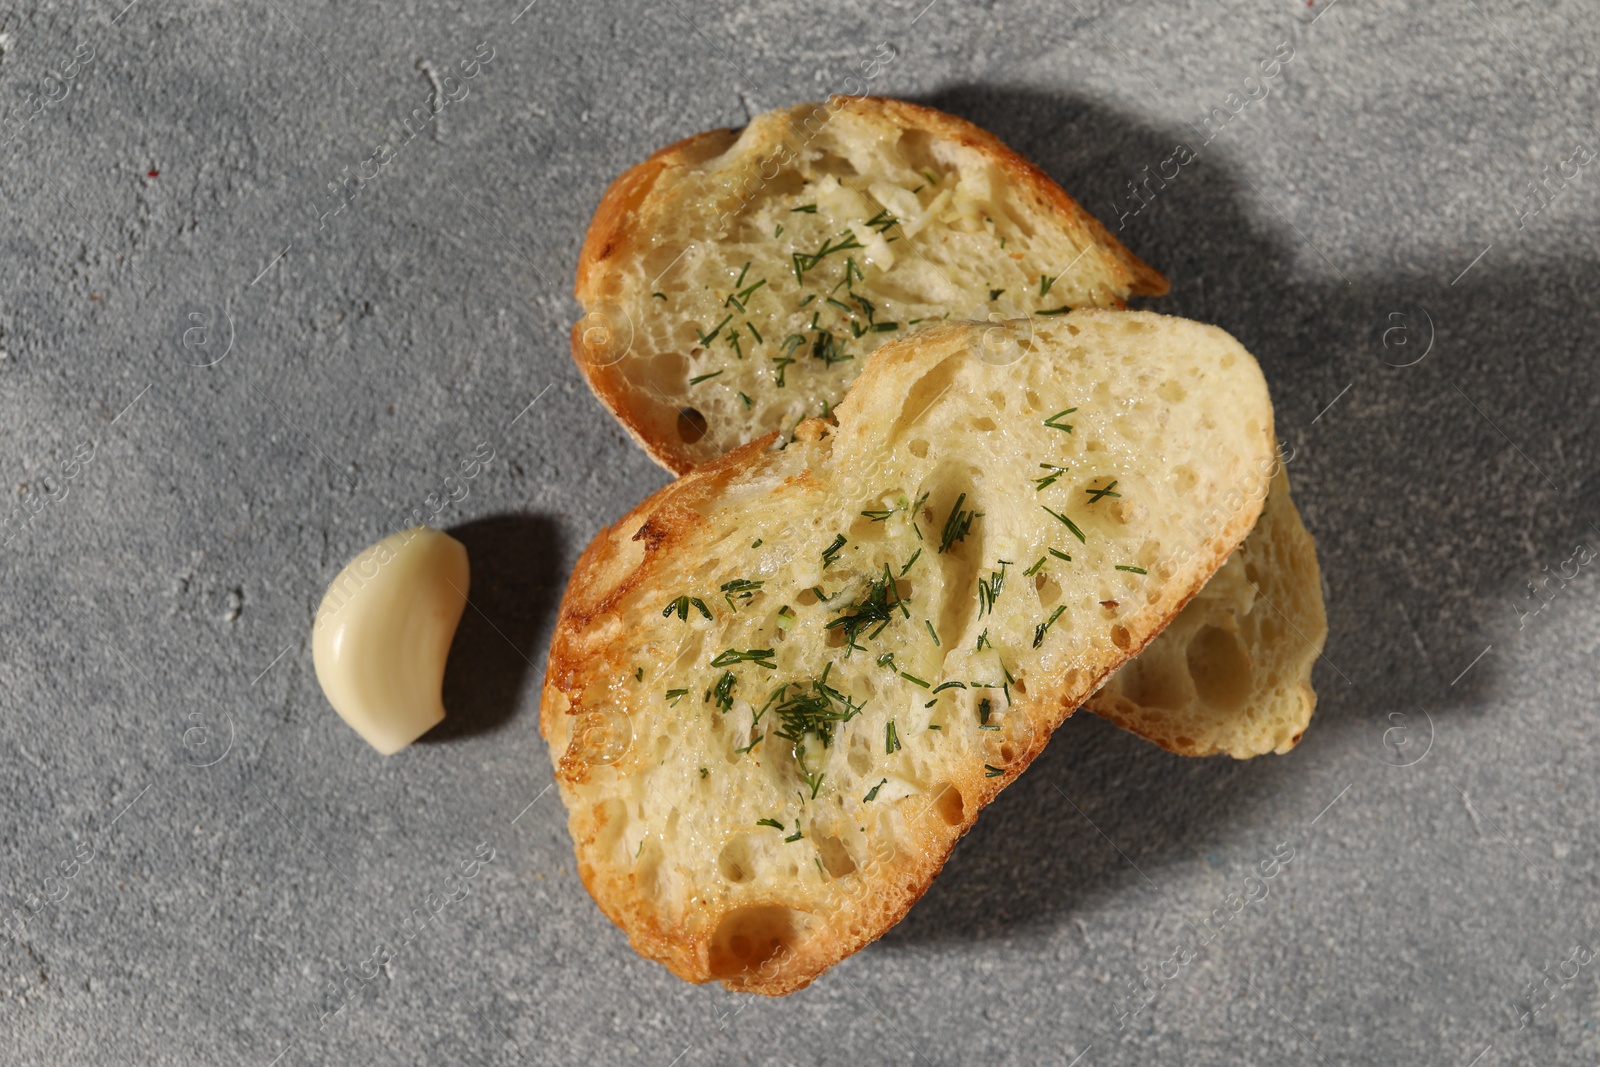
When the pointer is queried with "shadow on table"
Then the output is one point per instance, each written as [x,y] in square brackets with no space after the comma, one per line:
[1435,491]
[517,579]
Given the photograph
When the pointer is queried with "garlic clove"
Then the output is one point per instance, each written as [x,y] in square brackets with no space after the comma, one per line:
[383,632]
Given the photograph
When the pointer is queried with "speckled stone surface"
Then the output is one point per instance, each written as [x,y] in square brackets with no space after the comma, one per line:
[219,381]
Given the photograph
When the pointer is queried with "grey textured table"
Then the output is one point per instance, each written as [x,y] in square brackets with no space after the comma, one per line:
[195,850]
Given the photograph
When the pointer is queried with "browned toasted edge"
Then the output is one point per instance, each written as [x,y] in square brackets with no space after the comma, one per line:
[610,230]
[663,519]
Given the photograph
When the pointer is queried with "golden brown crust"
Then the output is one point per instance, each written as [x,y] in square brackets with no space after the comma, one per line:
[616,229]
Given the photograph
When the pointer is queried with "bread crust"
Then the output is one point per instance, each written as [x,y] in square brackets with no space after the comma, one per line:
[619,227]
[631,554]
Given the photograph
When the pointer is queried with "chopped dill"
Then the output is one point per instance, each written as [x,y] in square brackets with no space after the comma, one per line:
[875,611]
[914,680]
[697,379]
[1058,554]
[891,743]
[1132,570]
[932,633]
[681,606]
[761,657]
[707,338]
[723,691]
[743,588]
[989,588]
[1054,424]
[675,695]
[774,823]
[1096,494]
[957,524]
[949,685]
[1031,571]
[1069,525]
[992,772]
[910,561]
[831,553]
[872,794]
[1044,627]
[1041,484]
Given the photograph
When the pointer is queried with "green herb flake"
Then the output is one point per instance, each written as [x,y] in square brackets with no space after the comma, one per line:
[1044,285]
[1068,523]
[989,588]
[659,296]
[774,823]
[809,209]
[831,553]
[1096,494]
[1058,554]
[957,524]
[932,633]
[875,611]
[914,680]
[891,743]
[1041,484]
[814,713]
[761,657]
[681,606]
[675,695]
[1062,310]
[949,685]
[1131,570]
[992,772]
[697,379]
[994,294]
[909,562]
[1055,423]
[1031,571]
[742,588]
[707,338]
[872,794]
[1044,627]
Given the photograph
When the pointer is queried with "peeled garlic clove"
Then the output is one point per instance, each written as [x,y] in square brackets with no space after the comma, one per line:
[383,632]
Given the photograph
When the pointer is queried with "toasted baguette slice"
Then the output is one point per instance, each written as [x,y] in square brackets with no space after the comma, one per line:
[1232,673]
[734,283]
[783,686]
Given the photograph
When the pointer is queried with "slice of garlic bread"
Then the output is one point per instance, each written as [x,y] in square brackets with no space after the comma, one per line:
[1232,673]
[734,283]
[783,686]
